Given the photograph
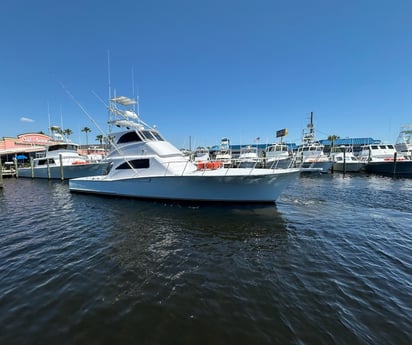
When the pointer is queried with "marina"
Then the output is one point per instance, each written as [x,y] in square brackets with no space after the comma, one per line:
[144,165]
[215,173]
[329,264]
[60,160]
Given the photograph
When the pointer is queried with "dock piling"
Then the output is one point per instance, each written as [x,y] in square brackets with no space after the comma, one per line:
[61,167]
[1,174]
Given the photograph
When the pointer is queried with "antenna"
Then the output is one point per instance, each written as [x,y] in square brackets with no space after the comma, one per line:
[133,95]
[61,117]
[132,82]
[108,73]
[48,115]
[110,88]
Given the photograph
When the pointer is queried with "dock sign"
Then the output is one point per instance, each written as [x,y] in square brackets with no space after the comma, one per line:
[281,133]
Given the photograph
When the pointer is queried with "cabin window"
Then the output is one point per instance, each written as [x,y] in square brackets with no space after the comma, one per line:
[135,164]
[70,147]
[129,137]
[44,161]
[148,135]
[390,147]
[157,136]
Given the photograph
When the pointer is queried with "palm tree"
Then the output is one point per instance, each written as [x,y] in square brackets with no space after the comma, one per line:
[333,137]
[86,130]
[67,132]
[108,140]
[99,138]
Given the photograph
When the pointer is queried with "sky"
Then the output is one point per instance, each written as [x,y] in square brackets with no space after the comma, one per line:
[204,70]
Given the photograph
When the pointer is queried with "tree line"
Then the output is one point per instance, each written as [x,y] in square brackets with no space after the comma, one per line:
[67,132]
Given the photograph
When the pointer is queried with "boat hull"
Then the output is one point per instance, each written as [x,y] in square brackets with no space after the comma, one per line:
[283,163]
[349,167]
[263,187]
[390,168]
[69,171]
[323,166]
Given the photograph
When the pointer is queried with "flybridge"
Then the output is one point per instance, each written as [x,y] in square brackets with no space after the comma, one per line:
[125,113]
[124,117]
[126,101]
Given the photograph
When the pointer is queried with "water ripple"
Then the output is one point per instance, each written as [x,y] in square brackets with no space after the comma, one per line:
[330,264]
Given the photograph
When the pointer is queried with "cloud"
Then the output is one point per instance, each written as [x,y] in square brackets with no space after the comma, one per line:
[26,119]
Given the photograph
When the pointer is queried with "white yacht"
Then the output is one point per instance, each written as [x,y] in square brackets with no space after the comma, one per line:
[61,160]
[277,156]
[248,157]
[403,144]
[310,153]
[201,154]
[7,169]
[345,161]
[145,165]
[224,154]
[383,159]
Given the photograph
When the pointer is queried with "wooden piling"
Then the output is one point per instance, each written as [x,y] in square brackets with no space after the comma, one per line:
[16,167]
[61,167]
[1,174]
[48,168]
[394,164]
[32,167]
[344,161]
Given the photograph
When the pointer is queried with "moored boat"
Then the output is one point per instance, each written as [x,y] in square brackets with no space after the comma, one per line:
[224,154]
[144,165]
[403,143]
[277,156]
[201,154]
[310,153]
[248,157]
[383,159]
[8,169]
[346,161]
[61,160]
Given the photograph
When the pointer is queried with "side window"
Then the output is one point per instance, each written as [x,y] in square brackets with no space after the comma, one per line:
[135,164]
[129,137]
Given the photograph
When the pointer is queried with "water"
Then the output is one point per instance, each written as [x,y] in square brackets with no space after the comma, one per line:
[329,264]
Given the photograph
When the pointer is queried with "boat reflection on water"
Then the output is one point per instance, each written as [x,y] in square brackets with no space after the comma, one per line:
[174,243]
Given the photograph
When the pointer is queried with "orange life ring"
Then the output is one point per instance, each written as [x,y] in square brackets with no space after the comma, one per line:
[217,165]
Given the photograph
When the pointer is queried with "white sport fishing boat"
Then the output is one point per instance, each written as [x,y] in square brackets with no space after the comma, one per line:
[145,165]
[277,156]
[224,154]
[61,160]
[345,161]
[404,142]
[383,159]
[310,153]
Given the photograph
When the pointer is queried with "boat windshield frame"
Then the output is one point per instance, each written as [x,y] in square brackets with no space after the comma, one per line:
[150,135]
